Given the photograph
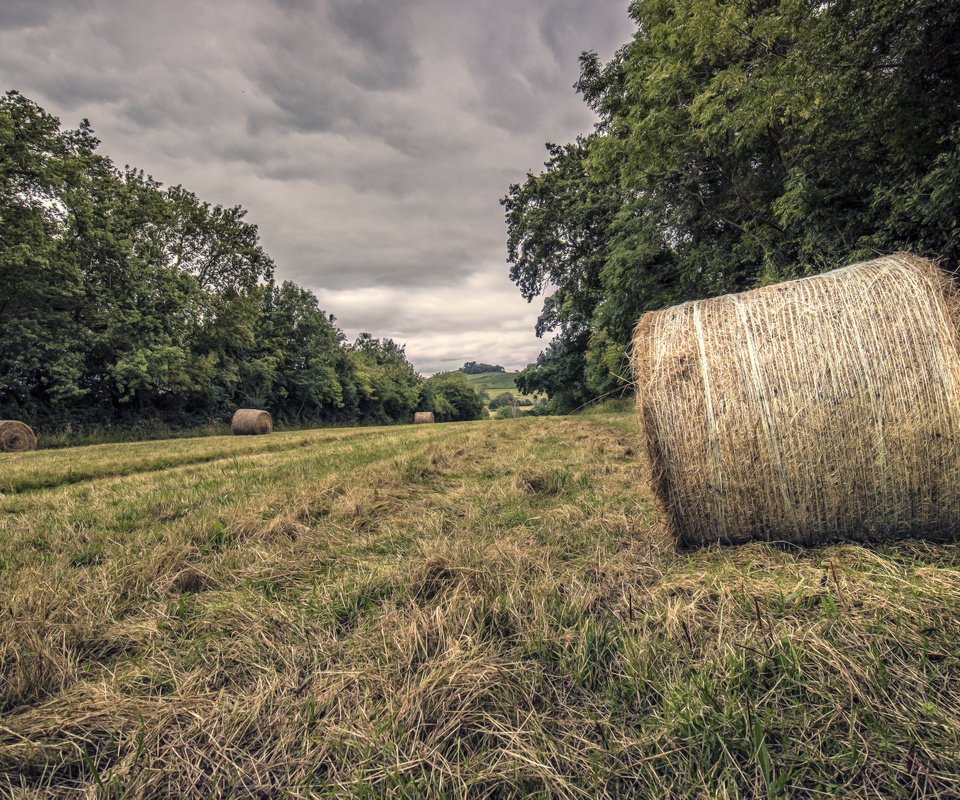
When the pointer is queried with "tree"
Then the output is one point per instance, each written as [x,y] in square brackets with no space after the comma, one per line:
[301,366]
[388,387]
[215,244]
[41,285]
[558,373]
[451,397]
[502,399]
[474,368]
[737,144]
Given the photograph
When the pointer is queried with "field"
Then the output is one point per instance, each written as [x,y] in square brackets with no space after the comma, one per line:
[490,384]
[480,609]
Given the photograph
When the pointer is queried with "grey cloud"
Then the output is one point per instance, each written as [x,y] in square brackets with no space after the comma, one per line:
[328,68]
[74,91]
[296,5]
[17,14]
[520,75]
[382,32]
[382,252]
[370,140]
[563,26]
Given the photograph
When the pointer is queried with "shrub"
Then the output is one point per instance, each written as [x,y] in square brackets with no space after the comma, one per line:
[502,399]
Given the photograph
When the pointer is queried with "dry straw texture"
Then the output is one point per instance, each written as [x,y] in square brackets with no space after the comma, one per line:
[251,422]
[16,437]
[423,416]
[819,409]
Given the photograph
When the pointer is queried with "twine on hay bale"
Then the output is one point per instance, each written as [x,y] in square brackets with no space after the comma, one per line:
[421,417]
[16,437]
[819,409]
[251,422]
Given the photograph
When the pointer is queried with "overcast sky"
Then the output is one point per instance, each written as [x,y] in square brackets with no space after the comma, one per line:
[370,140]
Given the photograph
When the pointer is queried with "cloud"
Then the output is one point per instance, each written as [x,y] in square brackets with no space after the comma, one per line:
[19,14]
[444,327]
[370,140]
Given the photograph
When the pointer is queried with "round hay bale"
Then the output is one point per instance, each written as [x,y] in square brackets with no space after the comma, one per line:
[251,422]
[421,417]
[826,408]
[16,437]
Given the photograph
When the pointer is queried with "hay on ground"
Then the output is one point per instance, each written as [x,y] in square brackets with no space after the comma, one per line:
[251,422]
[16,437]
[423,416]
[819,409]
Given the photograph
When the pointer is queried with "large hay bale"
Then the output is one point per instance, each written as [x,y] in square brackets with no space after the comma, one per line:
[16,437]
[819,409]
[421,417]
[251,422]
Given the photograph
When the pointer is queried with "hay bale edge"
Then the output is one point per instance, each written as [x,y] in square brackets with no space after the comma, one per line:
[251,422]
[16,437]
[821,409]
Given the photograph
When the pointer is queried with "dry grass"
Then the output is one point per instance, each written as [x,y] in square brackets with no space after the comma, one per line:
[443,611]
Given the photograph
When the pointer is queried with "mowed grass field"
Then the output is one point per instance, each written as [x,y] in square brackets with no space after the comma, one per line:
[487,609]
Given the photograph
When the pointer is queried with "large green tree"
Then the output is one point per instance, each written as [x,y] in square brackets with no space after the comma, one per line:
[450,397]
[41,284]
[738,143]
[305,363]
[387,386]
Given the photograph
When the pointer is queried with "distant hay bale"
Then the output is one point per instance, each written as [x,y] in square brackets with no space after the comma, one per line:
[251,422]
[820,409]
[423,416]
[16,437]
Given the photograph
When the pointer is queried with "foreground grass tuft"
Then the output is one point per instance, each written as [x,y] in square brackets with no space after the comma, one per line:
[449,610]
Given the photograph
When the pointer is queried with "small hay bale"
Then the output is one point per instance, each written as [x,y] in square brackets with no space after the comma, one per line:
[421,417]
[251,422]
[16,437]
[826,408]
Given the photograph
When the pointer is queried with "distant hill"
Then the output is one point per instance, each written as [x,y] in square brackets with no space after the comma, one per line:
[490,384]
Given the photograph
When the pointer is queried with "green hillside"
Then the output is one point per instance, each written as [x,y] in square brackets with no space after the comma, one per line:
[490,384]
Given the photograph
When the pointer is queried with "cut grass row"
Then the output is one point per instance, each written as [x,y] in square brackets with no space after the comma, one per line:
[51,468]
[456,610]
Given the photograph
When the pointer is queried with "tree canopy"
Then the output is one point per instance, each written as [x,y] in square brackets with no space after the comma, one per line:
[451,398]
[123,300]
[738,144]
[478,368]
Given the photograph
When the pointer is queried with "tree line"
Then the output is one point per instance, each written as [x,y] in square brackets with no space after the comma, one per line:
[738,144]
[479,368]
[122,300]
